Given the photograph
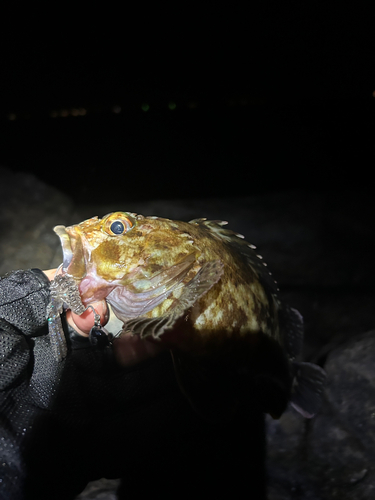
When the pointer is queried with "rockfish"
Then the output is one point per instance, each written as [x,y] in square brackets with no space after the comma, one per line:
[203,292]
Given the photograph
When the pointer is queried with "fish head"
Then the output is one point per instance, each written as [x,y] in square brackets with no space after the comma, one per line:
[94,253]
[134,259]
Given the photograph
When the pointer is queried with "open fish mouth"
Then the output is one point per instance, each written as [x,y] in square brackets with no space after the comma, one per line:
[73,252]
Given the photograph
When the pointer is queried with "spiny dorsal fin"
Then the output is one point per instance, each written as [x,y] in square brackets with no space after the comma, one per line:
[246,249]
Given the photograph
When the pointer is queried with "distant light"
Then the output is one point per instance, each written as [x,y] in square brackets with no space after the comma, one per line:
[64,113]
[54,114]
[75,112]
[145,107]
[192,105]
[373,94]
[82,111]
[116,109]
[12,116]
[172,105]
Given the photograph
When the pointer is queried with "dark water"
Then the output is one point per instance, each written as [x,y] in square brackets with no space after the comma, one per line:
[206,151]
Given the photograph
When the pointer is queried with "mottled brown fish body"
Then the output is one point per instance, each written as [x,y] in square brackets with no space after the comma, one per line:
[235,307]
[202,291]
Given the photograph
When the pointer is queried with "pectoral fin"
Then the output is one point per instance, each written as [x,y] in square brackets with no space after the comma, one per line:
[144,294]
[208,275]
[308,385]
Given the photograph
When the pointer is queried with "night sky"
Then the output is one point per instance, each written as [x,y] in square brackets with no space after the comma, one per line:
[191,103]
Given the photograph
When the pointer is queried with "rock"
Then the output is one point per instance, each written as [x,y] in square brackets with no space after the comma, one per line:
[102,489]
[29,211]
[331,316]
[287,477]
[332,455]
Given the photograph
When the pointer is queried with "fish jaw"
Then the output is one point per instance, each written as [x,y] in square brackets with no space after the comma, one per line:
[77,262]
[65,246]
[74,262]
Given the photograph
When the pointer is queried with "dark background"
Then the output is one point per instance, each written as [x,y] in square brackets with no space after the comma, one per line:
[264,98]
[274,99]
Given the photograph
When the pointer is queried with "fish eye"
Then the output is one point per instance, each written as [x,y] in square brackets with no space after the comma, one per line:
[117,227]
[118,223]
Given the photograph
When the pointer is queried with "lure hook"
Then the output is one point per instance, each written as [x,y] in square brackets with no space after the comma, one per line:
[98,336]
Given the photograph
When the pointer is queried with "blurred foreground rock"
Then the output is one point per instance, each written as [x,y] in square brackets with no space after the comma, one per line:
[332,455]
[320,249]
[103,489]
[29,209]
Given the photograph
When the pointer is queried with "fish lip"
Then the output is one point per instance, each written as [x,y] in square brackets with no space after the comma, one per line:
[74,263]
[65,246]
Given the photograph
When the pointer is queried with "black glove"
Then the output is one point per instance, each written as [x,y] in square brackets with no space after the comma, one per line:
[24,296]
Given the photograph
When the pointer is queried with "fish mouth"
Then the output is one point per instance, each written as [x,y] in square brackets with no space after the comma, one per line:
[73,253]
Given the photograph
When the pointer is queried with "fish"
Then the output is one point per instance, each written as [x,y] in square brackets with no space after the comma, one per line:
[203,292]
